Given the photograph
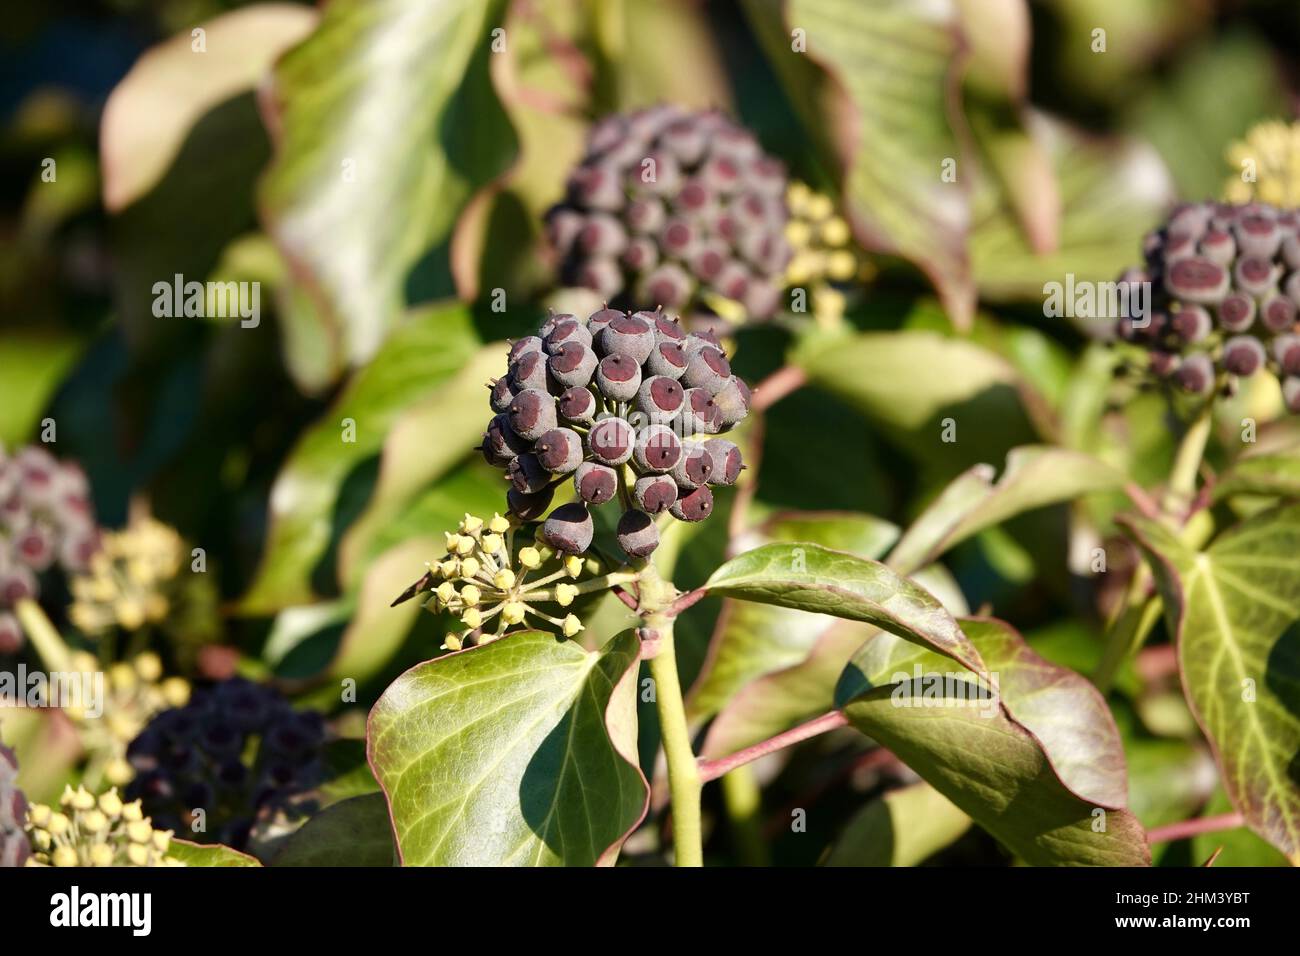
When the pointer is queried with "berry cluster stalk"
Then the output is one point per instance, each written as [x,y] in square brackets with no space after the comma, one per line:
[684,782]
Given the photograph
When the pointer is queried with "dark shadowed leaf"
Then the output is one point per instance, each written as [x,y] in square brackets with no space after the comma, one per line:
[902,828]
[353,832]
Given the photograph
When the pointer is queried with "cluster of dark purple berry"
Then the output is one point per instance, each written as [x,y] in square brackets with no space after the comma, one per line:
[46,519]
[14,846]
[667,204]
[237,751]
[624,405]
[1225,286]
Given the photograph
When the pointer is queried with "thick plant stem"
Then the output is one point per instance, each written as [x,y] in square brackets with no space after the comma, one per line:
[1138,614]
[683,775]
[684,781]
[1187,464]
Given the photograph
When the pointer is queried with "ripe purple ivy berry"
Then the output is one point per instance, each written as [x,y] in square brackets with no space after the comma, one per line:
[1225,286]
[613,419]
[668,206]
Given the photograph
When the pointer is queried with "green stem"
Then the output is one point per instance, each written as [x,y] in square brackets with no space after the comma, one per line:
[743,801]
[1187,465]
[684,782]
[1138,613]
[44,636]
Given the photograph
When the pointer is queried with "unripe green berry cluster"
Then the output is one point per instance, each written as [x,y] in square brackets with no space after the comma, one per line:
[668,207]
[625,406]
[46,520]
[1225,287]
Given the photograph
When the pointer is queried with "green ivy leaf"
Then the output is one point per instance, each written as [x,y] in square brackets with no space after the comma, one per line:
[427,351]
[208,854]
[751,640]
[1234,609]
[1034,476]
[980,392]
[413,458]
[895,65]
[518,752]
[808,577]
[902,828]
[1038,765]
[1111,192]
[1274,475]
[31,368]
[352,832]
[385,122]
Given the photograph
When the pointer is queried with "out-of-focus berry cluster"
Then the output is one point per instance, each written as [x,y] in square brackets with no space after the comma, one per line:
[493,578]
[626,407]
[668,207]
[139,578]
[46,520]
[135,692]
[14,848]
[96,831]
[1225,285]
[238,752]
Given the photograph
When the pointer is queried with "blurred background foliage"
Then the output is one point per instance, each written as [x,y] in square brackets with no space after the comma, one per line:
[381,171]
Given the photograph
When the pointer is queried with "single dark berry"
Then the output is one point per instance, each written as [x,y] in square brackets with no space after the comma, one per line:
[503,393]
[578,405]
[521,347]
[708,369]
[569,528]
[530,372]
[618,377]
[1192,323]
[572,364]
[501,443]
[694,468]
[629,336]
[529,507]
[1196,279]
[637,534]
[660,398]
[1286,352]
[532,414]
[654,494]
[668,359]
[1243,355]
[595,483]
[1237,312]
[527,474]
[694,505]
[611,441]
[658,449]
[1196,374]
[700,413]
[1278,314]
[559,451]
[726,461]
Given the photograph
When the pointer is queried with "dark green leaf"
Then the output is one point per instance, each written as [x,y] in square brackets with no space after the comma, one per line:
[808,577]
[1038,763]
[519,752]
[353,832]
